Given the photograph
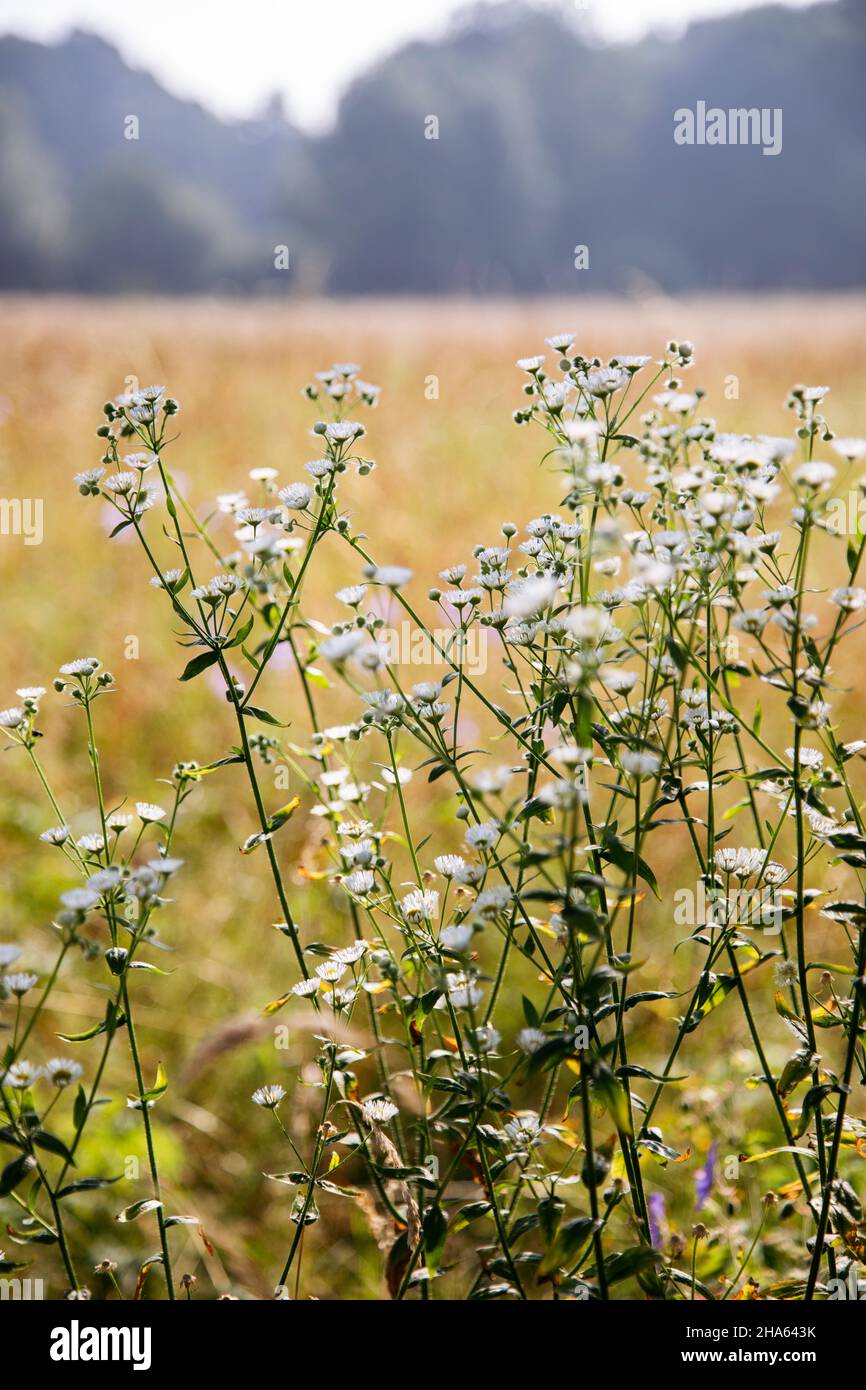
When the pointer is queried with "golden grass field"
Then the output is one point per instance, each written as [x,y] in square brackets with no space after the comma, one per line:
[449,471]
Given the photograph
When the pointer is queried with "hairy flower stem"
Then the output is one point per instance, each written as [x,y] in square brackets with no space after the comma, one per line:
[853,1025]
[148,1134]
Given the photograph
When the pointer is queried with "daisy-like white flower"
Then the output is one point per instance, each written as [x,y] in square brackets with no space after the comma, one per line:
[529,1040]
[526,597]
[338,649]
[304,988]
[640,763]
[617,680]
[483,836]
[486,1038]
[391,576]
[454,574]
[349,955]
[786,974]
[812,758]
[81,666]
[167,580]
[91,844]
[332,971]
[464,991]
[560,342]
[268,1096]
[343,431]
[379,1111]
[421,905]
[532,365]
[814,475]
[629,363]
[30,694]
[450,865]
[295,496]
[148,812]
[63,1072]
[493,901]
[123,484]
[457,938]
[12,718]
[140,461]
[741,863]
[353,595]
[360,882]
[850,599]
[22,1075]
[850,449]
[79,899]
[88,481]
[20,984]
[523,1129]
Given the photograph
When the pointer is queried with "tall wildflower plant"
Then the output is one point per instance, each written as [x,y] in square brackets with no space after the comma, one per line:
[660,692]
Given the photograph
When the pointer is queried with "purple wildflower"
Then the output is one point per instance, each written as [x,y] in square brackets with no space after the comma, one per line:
[704,1177]
[657,1216]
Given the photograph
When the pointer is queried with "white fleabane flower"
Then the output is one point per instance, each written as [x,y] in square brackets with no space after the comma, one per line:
[457,938]
[850,598]
[391,576]
[21,1075]
[617,680]
[338,649]
[814,475]
[526,597]
[353,595]
[421,905]
[12,718]
[630,363]
[167,580]
[811,758]
[63,1072]
[588,624]
[450,865]
[81,666]
[304,989]
[20,984]
[850,449]
[295,496]
[640,763]
[463,991]
[148,812]
[530,364]
[523,1130]
[741,863]
[560,342]
[361,882]
[79,899]
[483,836]
[379,1111]
[529,1040]
[268,1096]
[88,481]
[91,844]
[343,431]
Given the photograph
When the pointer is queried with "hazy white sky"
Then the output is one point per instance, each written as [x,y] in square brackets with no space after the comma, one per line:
[232,56]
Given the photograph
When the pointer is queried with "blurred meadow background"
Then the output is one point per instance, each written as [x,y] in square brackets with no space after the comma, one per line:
[153,262]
